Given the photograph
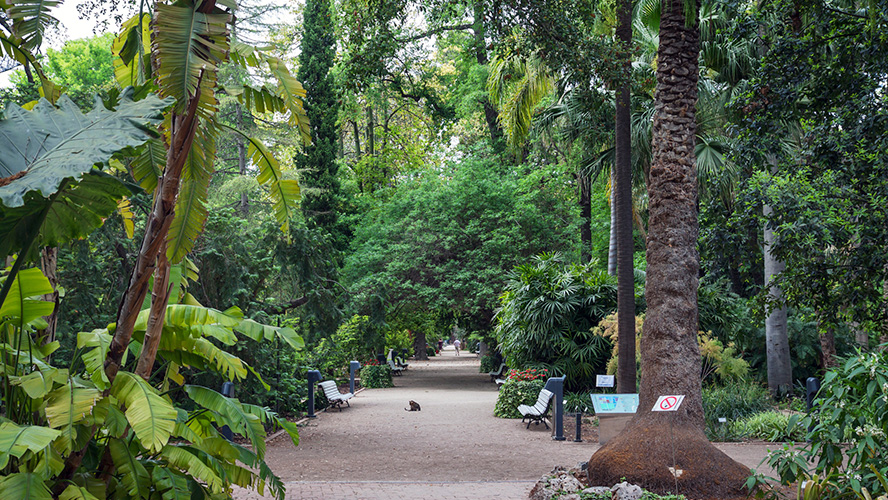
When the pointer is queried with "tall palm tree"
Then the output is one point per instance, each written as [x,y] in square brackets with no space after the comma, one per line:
[656,440]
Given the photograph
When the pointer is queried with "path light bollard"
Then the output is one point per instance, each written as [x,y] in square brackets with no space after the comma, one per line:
[352,368]
[228,392]
[579,428]
[812,387]
[556,385]
[314,377]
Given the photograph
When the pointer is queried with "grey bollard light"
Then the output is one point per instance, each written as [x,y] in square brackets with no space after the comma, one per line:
[228,392]
[556,385]
[352,368]
[314,377]
[812,387]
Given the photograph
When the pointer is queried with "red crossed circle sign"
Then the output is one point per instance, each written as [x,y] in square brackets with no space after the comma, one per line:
[668,402]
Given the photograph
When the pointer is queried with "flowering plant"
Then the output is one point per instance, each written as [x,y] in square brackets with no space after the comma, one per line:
[529,374]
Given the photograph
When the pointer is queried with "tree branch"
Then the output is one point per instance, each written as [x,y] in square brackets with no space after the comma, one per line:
[285,307]
[435,31]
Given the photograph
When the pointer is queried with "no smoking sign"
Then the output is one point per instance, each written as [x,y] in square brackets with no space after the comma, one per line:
[668,403]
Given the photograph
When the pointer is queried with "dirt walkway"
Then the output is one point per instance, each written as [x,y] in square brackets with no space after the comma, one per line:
[454,448]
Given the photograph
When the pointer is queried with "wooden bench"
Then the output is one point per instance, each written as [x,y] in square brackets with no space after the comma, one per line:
[498,373]
[335,397]
[539,411]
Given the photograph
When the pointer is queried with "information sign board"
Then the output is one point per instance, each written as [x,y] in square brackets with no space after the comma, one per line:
[615,403]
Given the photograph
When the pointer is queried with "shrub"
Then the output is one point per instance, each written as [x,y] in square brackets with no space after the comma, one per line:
[733,402]
[514,392]
[489,363]
[771,426]
[430,351]
[577,402]
[849,422]
[376,376]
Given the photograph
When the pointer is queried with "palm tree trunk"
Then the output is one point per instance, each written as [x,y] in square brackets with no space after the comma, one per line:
[653,441]
[585,194]
[626,370]
[612,240]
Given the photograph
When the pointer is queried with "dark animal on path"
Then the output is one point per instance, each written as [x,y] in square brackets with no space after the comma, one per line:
[414,406]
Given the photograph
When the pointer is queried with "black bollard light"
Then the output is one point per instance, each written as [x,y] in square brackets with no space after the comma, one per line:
[352,368]
[812,387]
[579,428]
[556,386]
[314,377]
[228,392]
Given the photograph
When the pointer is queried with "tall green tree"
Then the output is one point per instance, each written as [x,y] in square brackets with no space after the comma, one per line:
[318,161]
[670,355]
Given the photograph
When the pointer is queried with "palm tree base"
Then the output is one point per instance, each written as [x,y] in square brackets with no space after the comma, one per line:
[645,451]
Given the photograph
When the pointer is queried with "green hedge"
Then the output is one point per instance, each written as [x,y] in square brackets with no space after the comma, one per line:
[514,393]
[376,376]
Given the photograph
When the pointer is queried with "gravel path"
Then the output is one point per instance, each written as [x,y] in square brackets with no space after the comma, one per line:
[453,449]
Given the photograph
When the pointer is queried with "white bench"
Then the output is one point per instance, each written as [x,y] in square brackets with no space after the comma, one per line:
[395,368]
[335,397]
[498,373]
[539,411]
[397,360]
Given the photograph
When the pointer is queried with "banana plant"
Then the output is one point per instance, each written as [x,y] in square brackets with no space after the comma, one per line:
[155,449]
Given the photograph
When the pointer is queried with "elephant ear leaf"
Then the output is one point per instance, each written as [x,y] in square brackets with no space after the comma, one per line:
[47,180]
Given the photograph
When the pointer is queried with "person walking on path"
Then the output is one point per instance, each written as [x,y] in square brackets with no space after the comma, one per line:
[456,344]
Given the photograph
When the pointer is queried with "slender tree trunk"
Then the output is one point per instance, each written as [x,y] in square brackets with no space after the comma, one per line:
[49,263]
[478,31]
[242,160]
[612,240]
[160,297]
[584,185]
[371,132]
[654,441]
[626,369]
[828,349]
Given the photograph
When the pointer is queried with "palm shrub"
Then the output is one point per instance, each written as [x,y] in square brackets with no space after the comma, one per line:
[546,316]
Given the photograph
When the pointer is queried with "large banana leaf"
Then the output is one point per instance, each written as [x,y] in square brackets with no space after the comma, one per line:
[152,417]
[100,341]
[44,156]
[191,204]
[171,484]
[74,492]
[30,20]
[24,486]
[259,332]
[15,441]
[130,49]
[194,462]
[133,474]
[233,414]
[188,45]
[20,304]
[68,406]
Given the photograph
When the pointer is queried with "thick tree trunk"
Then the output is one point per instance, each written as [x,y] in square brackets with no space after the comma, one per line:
[49,264]
[828,349]
[585,195]
[655,441]
[419,347]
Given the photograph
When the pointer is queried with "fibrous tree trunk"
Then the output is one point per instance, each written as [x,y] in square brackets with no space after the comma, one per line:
[612,240]
[653,442]
[584,186]
[626,369]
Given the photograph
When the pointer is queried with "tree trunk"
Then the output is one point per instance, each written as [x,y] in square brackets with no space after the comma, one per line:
[612,240]
[242,160]
[371,132]
[160,297]
[828,349]
[776,339]
[654,441]
[419,347]
[622,189]
[585,194]
[490,114]
[49,264]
